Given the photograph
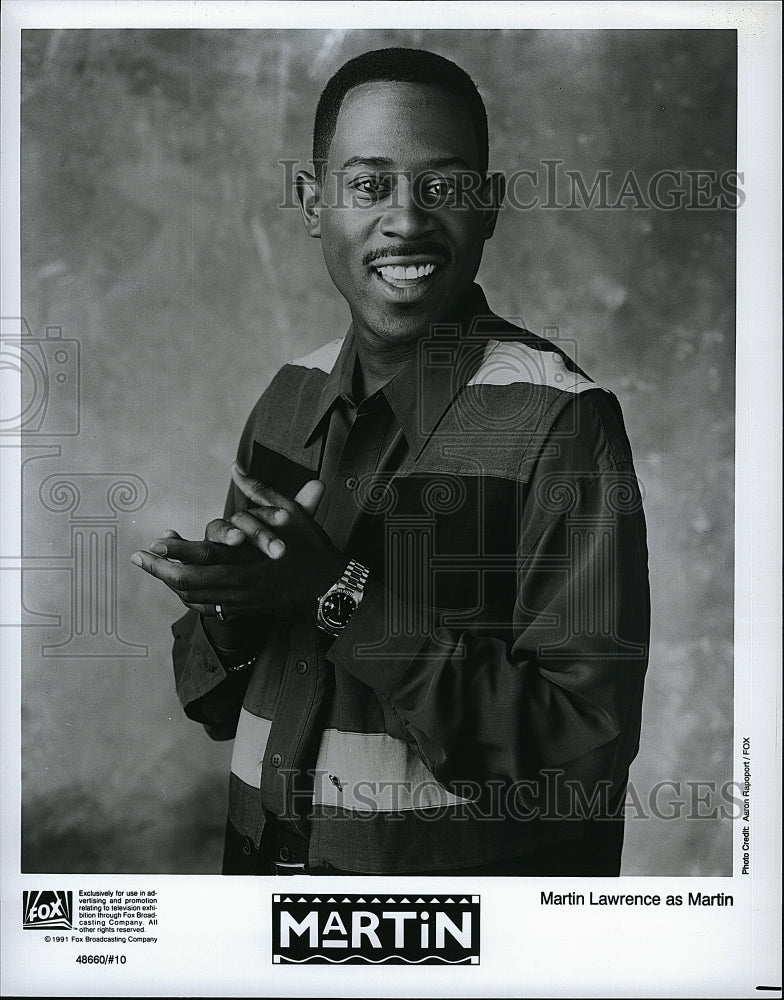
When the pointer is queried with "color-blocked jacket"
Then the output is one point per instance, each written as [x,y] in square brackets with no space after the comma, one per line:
[488,688]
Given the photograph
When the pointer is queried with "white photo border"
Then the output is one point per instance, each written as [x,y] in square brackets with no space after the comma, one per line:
[225,950]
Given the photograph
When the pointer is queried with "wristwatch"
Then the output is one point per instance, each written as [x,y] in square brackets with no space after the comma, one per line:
[336,607]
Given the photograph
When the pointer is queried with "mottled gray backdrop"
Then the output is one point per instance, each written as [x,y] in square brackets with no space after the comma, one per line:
[151,234]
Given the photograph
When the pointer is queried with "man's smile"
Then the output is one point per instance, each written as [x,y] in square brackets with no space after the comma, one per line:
[406,274]
[406,284]
[402,275]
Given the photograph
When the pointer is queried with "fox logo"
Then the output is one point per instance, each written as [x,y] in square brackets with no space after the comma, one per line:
[49,908]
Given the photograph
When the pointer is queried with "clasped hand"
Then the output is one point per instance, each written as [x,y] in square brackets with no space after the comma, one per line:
[270,559]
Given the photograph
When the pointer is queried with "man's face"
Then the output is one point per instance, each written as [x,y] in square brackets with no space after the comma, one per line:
[400,243]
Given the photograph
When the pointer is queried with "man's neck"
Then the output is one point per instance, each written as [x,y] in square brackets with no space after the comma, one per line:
[378,362]
[373,371]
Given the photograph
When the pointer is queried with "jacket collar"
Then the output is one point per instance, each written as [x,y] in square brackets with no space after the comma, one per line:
[338,384]
[420,393]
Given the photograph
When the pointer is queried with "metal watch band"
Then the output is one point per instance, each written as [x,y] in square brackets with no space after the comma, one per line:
[354,576]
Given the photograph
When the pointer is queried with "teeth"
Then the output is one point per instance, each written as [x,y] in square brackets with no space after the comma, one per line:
[400,273]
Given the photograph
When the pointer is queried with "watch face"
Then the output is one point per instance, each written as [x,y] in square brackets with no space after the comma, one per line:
[337,608]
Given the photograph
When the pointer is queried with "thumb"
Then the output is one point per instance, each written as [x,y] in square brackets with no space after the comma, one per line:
[309,497]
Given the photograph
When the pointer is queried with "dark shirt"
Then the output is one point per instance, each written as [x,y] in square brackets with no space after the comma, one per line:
[488,688]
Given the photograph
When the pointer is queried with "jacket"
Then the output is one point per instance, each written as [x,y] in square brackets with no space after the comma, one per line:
[485,697]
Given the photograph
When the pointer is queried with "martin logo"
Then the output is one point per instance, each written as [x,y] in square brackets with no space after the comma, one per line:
[47,908]
[340,930]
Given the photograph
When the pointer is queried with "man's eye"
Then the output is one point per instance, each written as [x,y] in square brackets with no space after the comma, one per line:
[437,191]
[370,186]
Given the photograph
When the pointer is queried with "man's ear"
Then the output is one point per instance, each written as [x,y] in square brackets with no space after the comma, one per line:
[309,198]
[493,198]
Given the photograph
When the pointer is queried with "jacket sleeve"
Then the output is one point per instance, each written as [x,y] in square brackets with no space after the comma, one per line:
[207,691]
[560,686]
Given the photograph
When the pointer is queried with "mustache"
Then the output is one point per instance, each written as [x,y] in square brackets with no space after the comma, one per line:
[424,248]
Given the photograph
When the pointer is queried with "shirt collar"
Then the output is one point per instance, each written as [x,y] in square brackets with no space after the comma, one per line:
[338,383]
[420,393]
[423,391]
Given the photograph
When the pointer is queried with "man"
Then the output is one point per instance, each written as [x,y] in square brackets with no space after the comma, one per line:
[424,616]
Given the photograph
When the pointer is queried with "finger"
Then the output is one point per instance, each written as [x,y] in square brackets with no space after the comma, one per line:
[159,546]
[273,516]
[208,609]
[309,497]
[258,492]
[232,601]
[259,534]
[209,554]
[223,532]
[181,576]
[197,553]
[155,565]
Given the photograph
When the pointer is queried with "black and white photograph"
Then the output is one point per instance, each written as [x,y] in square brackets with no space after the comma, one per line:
[391,499]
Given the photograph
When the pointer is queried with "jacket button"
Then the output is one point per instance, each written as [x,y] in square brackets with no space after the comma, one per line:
[302,667]
[246,845]
[276,760]
[352,482]
[284,854]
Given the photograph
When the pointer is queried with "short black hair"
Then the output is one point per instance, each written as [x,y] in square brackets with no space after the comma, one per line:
[397,66]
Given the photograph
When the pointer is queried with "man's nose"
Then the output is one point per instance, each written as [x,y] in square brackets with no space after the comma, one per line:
[404,215]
